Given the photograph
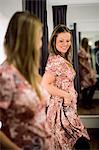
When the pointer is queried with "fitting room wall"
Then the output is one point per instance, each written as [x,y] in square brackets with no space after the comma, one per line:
[7,8]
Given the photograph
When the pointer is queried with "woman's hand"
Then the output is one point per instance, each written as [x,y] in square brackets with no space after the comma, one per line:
[67,99]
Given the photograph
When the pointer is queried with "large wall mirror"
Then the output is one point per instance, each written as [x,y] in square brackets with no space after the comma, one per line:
[86,17]
[92,36]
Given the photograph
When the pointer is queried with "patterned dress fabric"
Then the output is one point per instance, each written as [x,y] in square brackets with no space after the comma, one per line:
[64,122]
[24,121]
[87,73]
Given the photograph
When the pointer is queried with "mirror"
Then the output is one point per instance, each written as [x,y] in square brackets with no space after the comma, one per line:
[86,16]
[92,36]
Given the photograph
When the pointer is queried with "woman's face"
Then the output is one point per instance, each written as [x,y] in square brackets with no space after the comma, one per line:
[63,42]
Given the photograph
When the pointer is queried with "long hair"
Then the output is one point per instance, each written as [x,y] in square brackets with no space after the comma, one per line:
[20,46]
[52,43]
[84,44]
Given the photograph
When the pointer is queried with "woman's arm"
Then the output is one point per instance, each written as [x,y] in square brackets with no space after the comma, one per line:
[48,82]
[7,143]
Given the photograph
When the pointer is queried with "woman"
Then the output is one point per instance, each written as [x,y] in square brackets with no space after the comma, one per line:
[62,116]
[87,74]
[22,99]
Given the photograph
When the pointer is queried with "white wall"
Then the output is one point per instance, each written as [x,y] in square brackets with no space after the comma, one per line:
[49,19]
[87,19]
[3,25]
[85,15]
[7,9]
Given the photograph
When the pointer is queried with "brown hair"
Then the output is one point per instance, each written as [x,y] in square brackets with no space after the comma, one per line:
[20,46]
[52,44]
[84,44]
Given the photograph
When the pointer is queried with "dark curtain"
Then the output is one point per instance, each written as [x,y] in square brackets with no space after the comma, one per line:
[38,7]
[59,14]
[75,60]
[79,37]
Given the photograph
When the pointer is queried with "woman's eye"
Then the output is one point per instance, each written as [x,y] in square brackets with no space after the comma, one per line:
[60,41]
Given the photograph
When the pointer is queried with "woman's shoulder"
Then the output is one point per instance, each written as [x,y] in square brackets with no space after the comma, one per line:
[54,60]
[52,63]
[53,57]
[6,71]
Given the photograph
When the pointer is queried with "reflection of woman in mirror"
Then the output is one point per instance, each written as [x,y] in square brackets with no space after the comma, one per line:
[64,122]
[87,74]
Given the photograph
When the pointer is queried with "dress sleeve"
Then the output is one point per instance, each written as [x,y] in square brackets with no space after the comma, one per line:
[7,86]
[52,65]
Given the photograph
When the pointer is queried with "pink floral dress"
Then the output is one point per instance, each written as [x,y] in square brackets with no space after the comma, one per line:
[87,73]
[24,121]
[63,121]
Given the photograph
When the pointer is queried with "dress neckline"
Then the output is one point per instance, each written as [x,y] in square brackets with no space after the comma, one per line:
[67,62]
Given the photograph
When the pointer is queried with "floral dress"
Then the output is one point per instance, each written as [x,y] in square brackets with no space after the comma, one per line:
[24,121]
[87,73]
[64,122]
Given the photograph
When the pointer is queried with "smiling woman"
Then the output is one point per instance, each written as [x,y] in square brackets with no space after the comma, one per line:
[63,42]
[65,125]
